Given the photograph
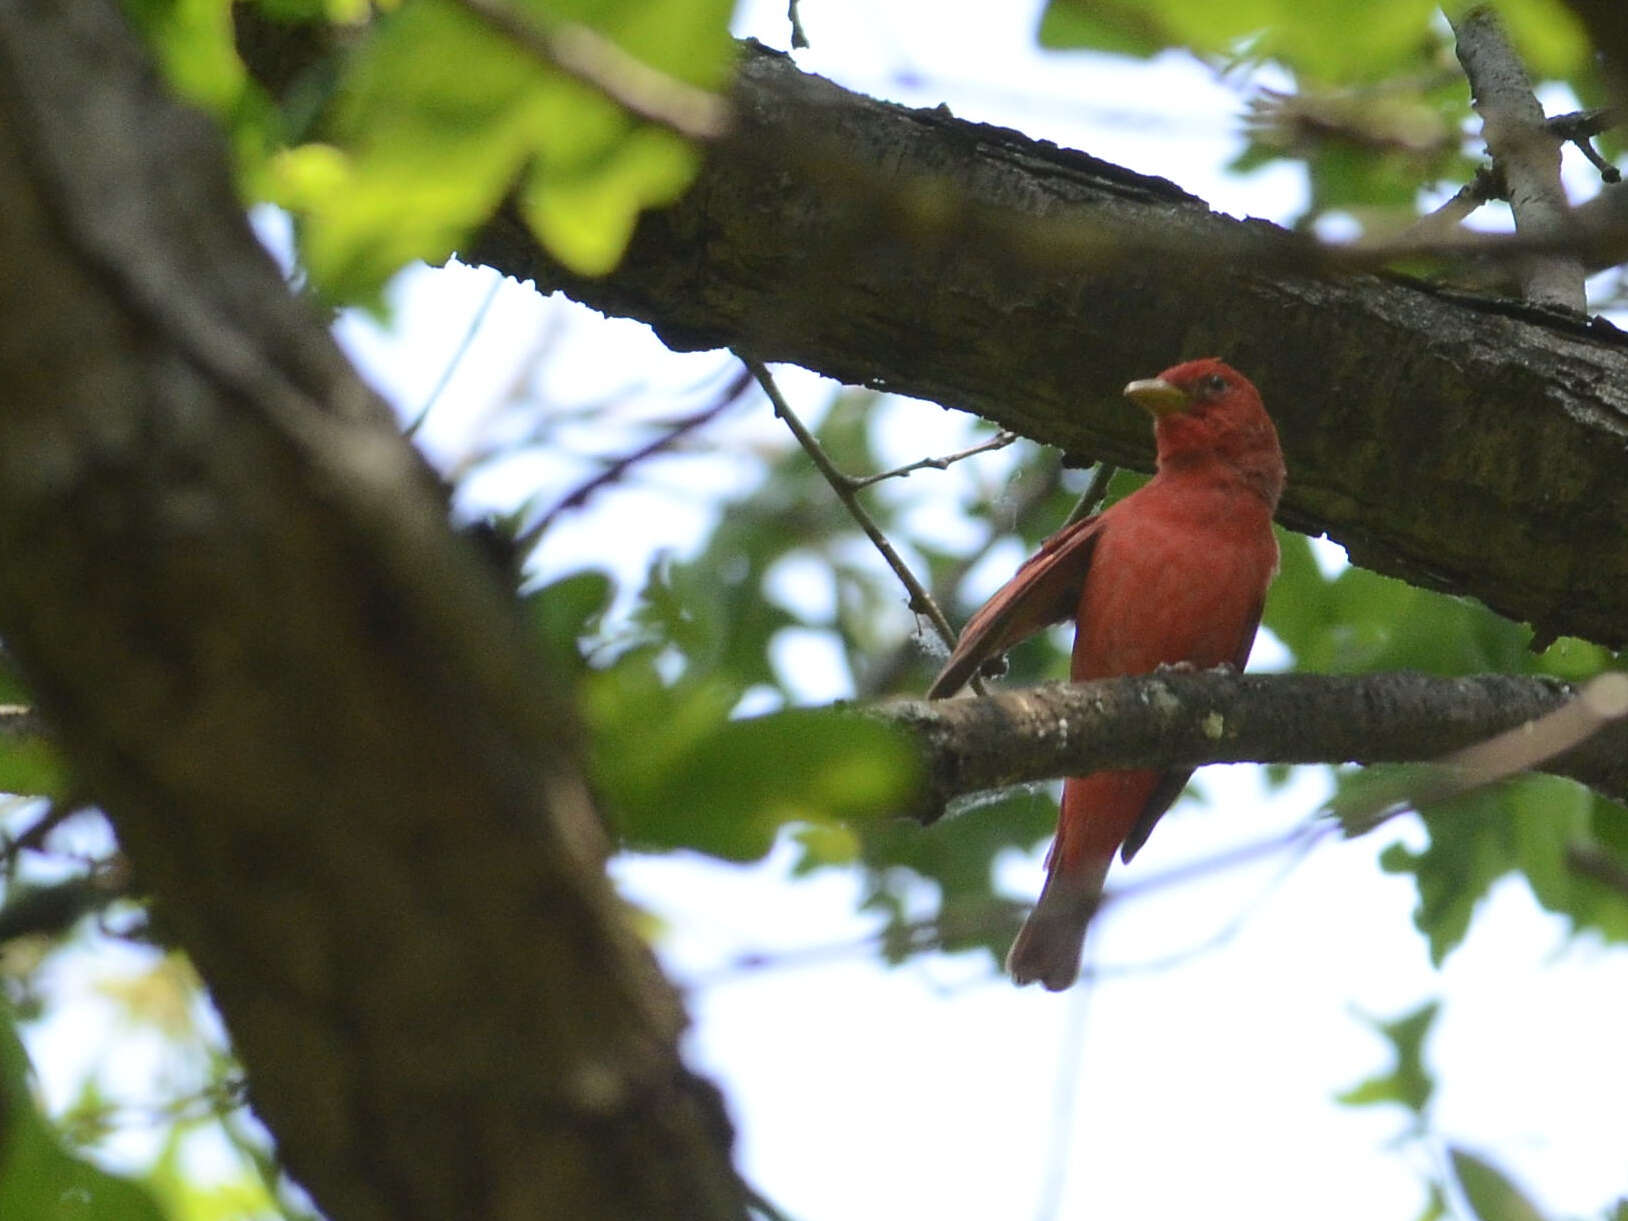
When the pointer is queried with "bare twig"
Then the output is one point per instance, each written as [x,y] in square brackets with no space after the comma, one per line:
[458,354]
[920,600]
[1580,126]
[33,839]
[1093,495]
[999,441]
[1583,124]
[1443,223]
[1000,917]
[617,469]
[885,676]
[1526,152]
[587,55]
[1524,748]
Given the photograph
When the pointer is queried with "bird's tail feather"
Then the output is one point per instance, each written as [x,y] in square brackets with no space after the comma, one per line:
[1049,944]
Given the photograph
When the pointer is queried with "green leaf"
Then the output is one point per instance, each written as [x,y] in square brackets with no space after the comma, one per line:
[39,1179]
[444,116]
[586,217]
[563,612]
[193,42]
[1435,1204]
[1524,825]
[1491,1195]
[1408,1083]
[728,788]
[32,767]
[1359,621]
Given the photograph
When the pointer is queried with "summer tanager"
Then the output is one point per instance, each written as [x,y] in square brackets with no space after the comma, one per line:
[1176,573]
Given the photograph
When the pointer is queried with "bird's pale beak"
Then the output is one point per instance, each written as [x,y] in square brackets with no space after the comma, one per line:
[1158,397]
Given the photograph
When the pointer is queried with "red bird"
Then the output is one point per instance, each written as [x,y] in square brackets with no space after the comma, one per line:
[1174,573]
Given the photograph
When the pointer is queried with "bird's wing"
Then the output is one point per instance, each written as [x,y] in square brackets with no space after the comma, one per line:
[1044,591]
[1172,783]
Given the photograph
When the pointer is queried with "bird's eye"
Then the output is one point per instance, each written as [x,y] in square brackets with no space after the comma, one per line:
[1212,384]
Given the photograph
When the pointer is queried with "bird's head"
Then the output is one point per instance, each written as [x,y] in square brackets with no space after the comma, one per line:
[1207,411]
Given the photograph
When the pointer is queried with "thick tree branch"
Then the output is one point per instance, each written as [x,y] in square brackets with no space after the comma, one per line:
[311,712]
[1526,152]
[1468,444]
[1182,720]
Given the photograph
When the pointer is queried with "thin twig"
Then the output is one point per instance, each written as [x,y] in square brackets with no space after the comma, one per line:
[451,366]
[1580,127]
[1443,222]
[618,468]
[884,677]
[998,915]
[1093,495]
[1583,124]
[33,839]
[920,600]
[999,441]
[587,55]
[763,1206]
[1523,749]
[1005,915]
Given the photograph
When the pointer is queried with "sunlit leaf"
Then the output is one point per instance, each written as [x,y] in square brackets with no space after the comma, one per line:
[443,116]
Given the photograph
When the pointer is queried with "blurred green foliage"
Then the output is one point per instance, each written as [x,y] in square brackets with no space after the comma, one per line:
[1407,1084]
[417,120]
[39,1179]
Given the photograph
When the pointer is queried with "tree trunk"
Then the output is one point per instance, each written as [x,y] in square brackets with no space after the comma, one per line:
[310,710]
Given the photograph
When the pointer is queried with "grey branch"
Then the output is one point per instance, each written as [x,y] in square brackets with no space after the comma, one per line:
[1461,442]
[1527,153]
[1181,720]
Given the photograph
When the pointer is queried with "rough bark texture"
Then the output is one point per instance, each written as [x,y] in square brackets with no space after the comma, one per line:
[1181,720]
[1476,445]
[310,711]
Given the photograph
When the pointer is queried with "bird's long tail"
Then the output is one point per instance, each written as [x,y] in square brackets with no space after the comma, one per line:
[1098,811]
[1049,944]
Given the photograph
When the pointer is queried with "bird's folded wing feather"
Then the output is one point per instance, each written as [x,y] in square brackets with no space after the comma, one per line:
[1044,591]
[1172,783]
